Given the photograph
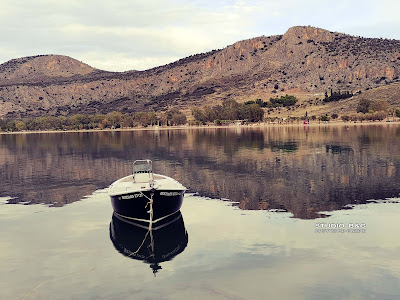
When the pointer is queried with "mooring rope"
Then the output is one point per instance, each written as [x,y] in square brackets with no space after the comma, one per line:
[123,219]
[151,210]
[150,229]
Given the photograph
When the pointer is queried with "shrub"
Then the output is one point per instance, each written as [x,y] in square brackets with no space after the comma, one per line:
[324,118]
[361,117]
[363,105]
[345,118]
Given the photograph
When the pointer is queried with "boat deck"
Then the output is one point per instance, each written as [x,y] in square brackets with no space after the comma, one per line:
[128,185]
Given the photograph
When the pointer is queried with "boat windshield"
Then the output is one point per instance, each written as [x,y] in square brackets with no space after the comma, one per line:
[142,166]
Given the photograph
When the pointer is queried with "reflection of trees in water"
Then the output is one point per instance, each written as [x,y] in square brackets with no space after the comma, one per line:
[302,170]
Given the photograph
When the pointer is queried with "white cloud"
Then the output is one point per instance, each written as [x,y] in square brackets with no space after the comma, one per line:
[145,32]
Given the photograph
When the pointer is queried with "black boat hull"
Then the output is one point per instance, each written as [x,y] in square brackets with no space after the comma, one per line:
[134,241]
[136,205]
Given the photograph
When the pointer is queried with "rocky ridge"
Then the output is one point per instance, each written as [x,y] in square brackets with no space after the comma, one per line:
[305,61]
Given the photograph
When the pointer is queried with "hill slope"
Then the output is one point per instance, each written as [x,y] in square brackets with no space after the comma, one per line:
[305,61]
[41,68]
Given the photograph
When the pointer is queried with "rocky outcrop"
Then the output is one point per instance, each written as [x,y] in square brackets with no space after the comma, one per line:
[305,61]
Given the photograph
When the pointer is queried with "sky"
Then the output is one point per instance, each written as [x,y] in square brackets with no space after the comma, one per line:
[121,35]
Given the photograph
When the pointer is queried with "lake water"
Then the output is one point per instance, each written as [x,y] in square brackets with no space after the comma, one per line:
[279,213]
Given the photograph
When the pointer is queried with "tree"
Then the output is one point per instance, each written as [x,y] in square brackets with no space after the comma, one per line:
[142,119]
[96,121]
[336,96]
[115,119]
[162,118]
[20,125]
[127,121]
[363,105]
[361,117]
[380,105]
[334,116]
[380,116]
[105,123]
[287,100]
[152,118]
[230,103]
[178,119]
[11,125]
[209,114]
[324,118]
[79,121]
[230,110]
[252,113]
[3,124]
[199,115]
[345,118]
[398,112]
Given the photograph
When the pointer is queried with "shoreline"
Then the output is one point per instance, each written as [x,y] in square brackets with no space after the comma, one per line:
[186,127]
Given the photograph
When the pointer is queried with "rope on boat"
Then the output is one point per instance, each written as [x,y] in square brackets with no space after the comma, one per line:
[123,219]
[144,220]
[151,212]
[150,230]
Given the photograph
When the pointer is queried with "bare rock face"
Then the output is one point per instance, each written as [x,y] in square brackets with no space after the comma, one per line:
[305,61]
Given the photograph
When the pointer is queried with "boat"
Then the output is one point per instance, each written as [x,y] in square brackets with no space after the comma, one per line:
[162,243]
[144,196]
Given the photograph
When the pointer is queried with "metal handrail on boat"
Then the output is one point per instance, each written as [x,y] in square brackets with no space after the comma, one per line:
[142,166]
[143,170]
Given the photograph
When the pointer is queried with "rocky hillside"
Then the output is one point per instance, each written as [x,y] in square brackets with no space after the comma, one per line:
[305,61]
[43,68]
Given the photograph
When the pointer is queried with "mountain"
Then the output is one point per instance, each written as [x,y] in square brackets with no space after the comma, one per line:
[42,68]
[305,61]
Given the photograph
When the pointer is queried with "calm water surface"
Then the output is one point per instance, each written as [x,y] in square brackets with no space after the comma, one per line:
[250,221]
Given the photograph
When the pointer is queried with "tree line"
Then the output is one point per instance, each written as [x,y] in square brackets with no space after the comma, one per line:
[111,120]
[229,110]
[283,101]
[336,96]
[372,110]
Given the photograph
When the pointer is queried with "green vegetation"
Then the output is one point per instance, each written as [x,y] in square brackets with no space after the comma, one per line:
[283,101]
[81,121]
[336,96]
[377,116]
[324,118]
[229,110]
[345,118]
[370,106]
[363,106]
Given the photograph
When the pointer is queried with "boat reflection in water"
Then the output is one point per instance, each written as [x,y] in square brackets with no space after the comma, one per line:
[153,245]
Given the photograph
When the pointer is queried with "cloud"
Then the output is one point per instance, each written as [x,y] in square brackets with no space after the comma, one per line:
[139,29]
[137,34]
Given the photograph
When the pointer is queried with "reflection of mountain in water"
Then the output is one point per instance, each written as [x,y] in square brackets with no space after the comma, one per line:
[301,170]
[165,241]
